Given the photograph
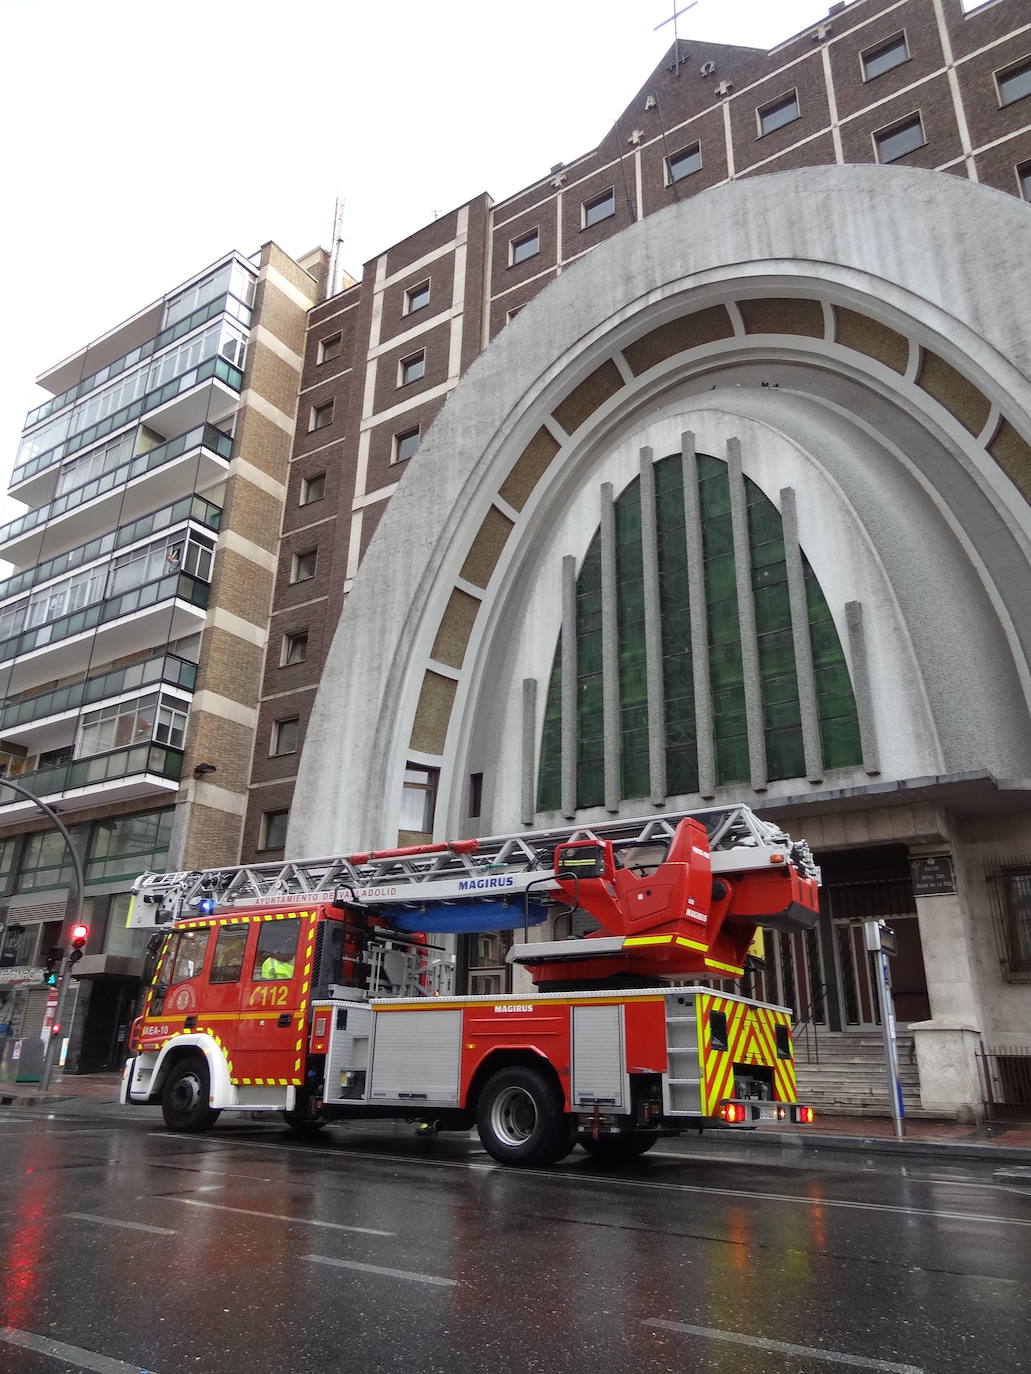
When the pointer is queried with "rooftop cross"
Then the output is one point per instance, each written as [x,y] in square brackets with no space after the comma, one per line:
[676,40]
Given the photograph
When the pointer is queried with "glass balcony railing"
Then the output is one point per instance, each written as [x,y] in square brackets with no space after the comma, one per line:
[227,304]
[204,436]
[182,585]
[168,668]
[212,367]
[186,508]
[156,759]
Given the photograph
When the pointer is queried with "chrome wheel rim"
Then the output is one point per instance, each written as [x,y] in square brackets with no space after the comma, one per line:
[513,1116]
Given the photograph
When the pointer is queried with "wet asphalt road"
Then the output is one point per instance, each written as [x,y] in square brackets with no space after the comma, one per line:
[124,1248]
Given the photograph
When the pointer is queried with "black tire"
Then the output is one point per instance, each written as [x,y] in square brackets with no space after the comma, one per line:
[302,1125]
[184,1097]
[618,1149]
[300,1118]
[521,1118]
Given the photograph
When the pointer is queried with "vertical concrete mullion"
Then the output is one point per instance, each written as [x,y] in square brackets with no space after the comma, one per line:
[653,634]
[804,673]
[612,735]
[746,619]
[528,789]
[704,736]
[569,686]
[861,685]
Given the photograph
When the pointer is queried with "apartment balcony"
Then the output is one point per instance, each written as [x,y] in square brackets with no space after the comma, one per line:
[163,609]
[207,391]
[141,770]
[226,304]
[193,510]
[193,461]
[47,720]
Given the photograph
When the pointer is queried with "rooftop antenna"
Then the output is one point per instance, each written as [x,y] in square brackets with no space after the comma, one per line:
[335,272]
[675,69]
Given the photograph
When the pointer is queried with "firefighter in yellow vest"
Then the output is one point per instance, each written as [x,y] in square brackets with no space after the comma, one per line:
[278,963]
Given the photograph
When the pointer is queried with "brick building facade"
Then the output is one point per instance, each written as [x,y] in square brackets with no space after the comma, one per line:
[936,84]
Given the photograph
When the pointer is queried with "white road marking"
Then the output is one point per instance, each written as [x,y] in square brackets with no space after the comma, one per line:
[115,1221]
[612,1181]
[387,1273]
[277,1216]
[70,1354]
[783,1348]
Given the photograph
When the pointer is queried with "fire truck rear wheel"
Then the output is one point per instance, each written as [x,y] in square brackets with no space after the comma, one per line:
[521,1119]
[618,1149]
[184,1098]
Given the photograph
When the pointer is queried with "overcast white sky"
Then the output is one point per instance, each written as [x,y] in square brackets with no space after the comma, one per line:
[145,138]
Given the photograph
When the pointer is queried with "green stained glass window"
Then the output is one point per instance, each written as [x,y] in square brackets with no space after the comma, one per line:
[781,708]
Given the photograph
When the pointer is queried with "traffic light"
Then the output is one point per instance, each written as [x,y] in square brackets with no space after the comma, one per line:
[52,964]
[80,934]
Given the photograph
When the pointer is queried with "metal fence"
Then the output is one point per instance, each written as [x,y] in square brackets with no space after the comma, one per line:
[1006,1083]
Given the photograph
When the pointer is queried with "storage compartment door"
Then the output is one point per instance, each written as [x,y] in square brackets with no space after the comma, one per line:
[416,1057]
[599,1059]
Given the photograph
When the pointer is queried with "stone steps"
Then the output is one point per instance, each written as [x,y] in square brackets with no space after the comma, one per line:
[849,1078]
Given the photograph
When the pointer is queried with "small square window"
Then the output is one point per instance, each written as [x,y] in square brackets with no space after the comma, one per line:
[405,444]
[885,56]
[1024,179]
[313,488]
[284,735]
[416,297]
[1015,83]
[320,416]
[302,566]
[273,829]
[526,247]
[682,164]
[594,211]
[778,113]
[411,369]
[900,139]
[330,348]
[294,648]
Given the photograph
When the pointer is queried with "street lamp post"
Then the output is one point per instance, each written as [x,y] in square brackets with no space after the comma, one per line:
[80,884]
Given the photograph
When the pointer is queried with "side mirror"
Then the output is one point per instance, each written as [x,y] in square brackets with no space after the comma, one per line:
[160,989]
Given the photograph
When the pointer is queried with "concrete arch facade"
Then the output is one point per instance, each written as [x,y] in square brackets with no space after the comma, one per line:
[861,332]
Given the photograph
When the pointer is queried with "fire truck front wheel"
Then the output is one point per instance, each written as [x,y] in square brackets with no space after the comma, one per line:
[184,1098]
[521,1119]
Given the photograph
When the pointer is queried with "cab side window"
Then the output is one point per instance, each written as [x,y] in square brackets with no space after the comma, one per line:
[188,959]
[227,962]
[275,957]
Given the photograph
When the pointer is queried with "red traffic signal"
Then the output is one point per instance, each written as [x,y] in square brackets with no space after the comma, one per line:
[80,934]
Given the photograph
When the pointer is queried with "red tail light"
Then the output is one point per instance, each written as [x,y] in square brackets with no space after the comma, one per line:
[732,1112]
[805,1116]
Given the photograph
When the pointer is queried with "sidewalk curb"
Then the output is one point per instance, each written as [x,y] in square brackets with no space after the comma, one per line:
[9,1099]
[1007,1154]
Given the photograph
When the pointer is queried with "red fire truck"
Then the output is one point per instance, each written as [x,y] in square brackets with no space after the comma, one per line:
[318,989]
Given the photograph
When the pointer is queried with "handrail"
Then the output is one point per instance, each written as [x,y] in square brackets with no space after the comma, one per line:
[816,1004]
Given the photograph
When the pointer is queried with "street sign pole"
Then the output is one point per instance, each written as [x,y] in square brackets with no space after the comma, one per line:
[875,942]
